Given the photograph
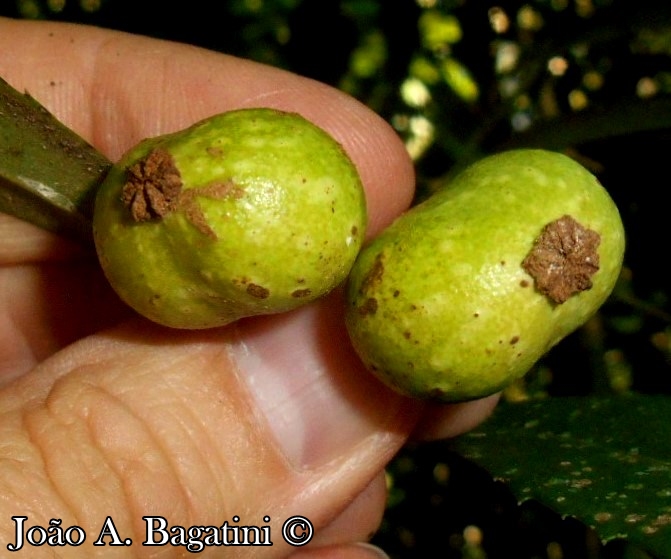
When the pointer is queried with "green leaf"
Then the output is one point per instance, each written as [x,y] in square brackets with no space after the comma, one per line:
[48,174]
[605,461]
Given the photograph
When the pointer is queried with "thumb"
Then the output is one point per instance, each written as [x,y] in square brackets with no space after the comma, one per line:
[248,425]
[310,387]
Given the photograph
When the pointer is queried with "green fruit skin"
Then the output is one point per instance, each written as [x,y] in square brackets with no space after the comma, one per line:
[439,305]
[292,229]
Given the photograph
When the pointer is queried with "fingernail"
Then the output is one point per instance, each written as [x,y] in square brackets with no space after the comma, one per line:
[308,387]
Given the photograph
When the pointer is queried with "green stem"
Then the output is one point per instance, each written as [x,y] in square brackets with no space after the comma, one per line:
[48,174]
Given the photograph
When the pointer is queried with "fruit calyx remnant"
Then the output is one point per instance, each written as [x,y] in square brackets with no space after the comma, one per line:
[563,259]
[153,186]
[153,189]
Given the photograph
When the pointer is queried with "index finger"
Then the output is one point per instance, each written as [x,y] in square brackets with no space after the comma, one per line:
[115,89]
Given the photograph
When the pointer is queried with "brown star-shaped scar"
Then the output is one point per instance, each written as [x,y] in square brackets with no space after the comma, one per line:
[152,187]
[563,259]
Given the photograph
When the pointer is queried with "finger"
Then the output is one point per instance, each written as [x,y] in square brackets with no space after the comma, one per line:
[47,307]
[23,243]
[271,418]
[444,421]
[360,520]
[116,89]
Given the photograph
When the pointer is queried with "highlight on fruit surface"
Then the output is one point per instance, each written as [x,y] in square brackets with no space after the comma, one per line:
[254,211]
[466,291]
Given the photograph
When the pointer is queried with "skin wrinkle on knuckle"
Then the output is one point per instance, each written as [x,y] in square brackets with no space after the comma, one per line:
[154,461]
[41,478]
[99,462]
[220,478]
[24,463]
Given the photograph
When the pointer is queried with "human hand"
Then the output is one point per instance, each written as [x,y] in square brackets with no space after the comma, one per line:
[105,415]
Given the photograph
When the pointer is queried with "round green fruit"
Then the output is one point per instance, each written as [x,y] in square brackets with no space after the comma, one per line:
[249,212]
[467,290]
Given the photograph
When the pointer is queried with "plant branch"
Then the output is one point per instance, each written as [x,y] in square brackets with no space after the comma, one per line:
[48,174]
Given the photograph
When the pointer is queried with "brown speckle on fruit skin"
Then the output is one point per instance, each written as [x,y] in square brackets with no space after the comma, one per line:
[369,306]
[298,293]
[258,291]
[153,186]
[214,151]
[374,275]
[563,259]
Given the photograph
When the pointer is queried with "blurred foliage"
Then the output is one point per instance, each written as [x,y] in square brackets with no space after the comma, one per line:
[459,79]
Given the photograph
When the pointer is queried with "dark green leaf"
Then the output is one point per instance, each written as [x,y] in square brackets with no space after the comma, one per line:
[605,461]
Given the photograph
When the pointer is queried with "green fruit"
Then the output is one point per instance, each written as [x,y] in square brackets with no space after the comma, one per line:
[467,290]
[248,212]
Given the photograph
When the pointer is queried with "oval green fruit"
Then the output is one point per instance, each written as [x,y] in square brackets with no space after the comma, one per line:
[249,212]
[467,290]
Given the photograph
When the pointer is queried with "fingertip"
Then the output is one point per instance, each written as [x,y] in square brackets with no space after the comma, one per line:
[362,517]
[444,421]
